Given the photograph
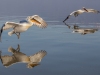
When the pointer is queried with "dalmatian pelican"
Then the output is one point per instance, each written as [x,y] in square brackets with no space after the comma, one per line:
[80,11]
[23,26]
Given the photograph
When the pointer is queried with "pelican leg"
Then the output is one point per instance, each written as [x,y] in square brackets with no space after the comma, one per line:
[18,35]
[18,48]
[10,33]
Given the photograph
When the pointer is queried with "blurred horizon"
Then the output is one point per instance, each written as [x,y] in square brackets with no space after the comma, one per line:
[56,10]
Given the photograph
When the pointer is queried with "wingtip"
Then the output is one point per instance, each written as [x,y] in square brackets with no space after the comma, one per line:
[1,30]
[63,21]
[98,11]
[0,36]
[66,18]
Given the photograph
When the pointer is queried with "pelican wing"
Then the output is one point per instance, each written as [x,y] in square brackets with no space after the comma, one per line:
[9,25]
[6,26]
[1,30]
[67,18]
[73,13]
[7,60]
[36,58]
[38,21]
[93,10]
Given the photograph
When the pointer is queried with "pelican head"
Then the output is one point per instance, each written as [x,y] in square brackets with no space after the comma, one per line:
[31,65]
[29,19]
[34,19]
[10,49]
[85,9]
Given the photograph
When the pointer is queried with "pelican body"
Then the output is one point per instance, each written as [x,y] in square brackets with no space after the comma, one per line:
[18,56]
[80,11]
[23,26]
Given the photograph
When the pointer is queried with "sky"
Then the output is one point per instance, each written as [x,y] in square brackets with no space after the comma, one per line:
[55,9]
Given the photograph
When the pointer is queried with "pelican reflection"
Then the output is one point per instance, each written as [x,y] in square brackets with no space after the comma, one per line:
[81,30]
[18,56]
[84,31]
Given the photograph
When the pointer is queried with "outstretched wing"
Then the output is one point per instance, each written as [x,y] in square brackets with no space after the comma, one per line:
[93,11]
[9,25]
[73,13]
[1,30]
[6,26]
[67,18]
[7,60]
[36,58]
[38,21]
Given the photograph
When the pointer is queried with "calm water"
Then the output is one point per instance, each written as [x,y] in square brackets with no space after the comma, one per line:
[67,53]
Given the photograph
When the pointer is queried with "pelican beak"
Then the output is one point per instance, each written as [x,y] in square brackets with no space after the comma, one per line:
[85,9]
[35,21]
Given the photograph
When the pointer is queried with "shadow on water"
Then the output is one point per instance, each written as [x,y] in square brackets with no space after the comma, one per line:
[17,56]
[82,30]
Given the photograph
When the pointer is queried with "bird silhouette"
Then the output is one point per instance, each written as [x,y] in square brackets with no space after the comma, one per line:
[80,11]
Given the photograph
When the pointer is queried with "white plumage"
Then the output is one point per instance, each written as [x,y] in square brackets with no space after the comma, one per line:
[80,11]
[23,26]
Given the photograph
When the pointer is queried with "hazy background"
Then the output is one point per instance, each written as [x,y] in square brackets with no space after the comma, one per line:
[54,9]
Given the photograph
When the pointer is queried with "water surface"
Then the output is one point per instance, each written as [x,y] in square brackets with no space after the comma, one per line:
[67,53]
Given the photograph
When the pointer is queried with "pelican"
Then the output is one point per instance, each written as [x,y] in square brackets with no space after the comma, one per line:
[18,56]
[84,31]
[80,11]
[23,26]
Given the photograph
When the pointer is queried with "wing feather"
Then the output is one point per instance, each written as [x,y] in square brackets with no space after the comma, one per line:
[67,18]
[93,11]
[9,25]
[36,58]
[7,60]
[38,21]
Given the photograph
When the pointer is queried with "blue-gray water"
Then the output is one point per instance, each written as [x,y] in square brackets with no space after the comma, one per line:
[68,53]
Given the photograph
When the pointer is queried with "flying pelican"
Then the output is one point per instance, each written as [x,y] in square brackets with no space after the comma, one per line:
[80,11]
[18,56]
[23,26]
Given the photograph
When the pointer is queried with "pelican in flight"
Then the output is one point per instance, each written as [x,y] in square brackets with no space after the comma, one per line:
[18,56]
[23,25]
[80,11]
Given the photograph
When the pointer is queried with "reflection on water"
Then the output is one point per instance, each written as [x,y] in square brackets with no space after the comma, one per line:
[18,56]
[82,30]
